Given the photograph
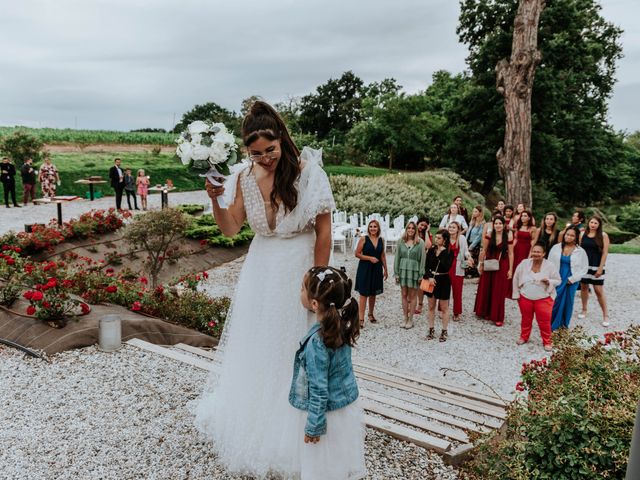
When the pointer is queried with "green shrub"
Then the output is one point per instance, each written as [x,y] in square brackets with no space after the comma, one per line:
[20,146]
[578,418]
[618,236]
[190,208]
[205,228]
[629,218]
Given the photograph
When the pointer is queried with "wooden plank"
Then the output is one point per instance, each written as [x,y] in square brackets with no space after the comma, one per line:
[424,391]
[181,357]
[413,408]
[437,394]
[425,425]
[457,455]
[196,351]
[407,435]
[465,392]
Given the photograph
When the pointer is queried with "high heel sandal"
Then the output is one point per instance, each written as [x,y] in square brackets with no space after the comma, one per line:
[432,334]
[443,336]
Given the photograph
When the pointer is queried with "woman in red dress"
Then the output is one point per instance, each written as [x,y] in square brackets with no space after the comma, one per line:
[524,239]
[495,285]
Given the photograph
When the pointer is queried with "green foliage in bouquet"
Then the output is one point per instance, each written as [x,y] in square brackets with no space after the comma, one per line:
[578,418]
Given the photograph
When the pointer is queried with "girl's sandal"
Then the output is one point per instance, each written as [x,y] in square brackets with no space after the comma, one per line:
[361,322]
[372,319]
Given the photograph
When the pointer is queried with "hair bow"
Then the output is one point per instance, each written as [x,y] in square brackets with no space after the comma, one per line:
[322,275]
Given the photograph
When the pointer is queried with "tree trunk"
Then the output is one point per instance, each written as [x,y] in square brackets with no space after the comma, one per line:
[392,157]
[514,80]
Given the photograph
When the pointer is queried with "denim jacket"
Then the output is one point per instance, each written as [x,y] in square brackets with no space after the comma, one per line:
[323,380]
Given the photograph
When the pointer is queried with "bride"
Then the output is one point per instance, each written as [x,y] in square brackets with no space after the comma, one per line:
[287,200]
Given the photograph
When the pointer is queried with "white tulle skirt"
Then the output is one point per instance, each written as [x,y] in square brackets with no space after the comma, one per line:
[245,408]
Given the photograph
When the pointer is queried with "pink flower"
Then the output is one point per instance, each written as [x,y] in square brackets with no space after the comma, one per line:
[211,324]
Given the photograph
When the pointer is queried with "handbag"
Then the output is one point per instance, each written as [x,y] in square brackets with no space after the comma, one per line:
[426,286]
[492,265]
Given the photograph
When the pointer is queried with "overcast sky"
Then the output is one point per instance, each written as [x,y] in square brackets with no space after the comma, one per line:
[124,64]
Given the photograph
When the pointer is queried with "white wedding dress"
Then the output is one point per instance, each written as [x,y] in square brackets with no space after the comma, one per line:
[245,409]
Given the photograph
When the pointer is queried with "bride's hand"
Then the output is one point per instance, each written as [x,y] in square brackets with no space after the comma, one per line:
[212,191]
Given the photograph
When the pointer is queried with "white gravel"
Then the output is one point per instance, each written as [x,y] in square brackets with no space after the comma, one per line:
[15,218]
[91,415]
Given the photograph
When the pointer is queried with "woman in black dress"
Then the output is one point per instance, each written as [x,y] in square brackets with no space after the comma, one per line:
[438,263]
[596,243]
[372,269]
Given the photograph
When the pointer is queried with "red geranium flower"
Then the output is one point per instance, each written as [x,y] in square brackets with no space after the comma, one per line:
[52,283]
[143,280]
[137,306]
[205,274]
[85,308]
[28,295]
[111,289]
[10,261]
[203,242]
[109,270]
[37,296]
[31,310]
[211,324]
[520,387]
[46,304]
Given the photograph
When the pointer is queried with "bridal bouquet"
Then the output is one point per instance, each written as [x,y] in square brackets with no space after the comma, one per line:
[209,149]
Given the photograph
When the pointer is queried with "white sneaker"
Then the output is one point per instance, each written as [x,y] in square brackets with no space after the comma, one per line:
[582,315]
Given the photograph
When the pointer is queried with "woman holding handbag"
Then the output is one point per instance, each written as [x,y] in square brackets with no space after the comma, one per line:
[461,258]
[496,270]
[436,282]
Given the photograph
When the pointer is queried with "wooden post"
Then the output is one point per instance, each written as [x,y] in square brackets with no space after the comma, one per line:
[514,80]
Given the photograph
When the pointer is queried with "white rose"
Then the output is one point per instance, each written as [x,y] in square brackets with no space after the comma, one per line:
[196,138]
[217,153]
[200,152]
[224,137]
[198,127]
[184,151]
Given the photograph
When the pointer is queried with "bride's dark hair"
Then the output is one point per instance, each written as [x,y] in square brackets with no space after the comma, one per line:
[338,310]
[262,121]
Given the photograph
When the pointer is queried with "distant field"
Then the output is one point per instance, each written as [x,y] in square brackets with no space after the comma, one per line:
[88,137]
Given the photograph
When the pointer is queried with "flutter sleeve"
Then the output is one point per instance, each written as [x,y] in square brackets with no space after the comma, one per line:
[231,182]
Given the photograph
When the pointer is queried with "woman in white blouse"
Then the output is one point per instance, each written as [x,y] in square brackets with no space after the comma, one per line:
[534,286]
[453,215]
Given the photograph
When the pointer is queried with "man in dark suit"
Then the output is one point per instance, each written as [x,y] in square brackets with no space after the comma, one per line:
[116,175]
[8,179]
[28,174]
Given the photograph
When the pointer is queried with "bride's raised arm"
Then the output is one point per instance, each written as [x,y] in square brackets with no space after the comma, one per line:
[322,248]
[230,220]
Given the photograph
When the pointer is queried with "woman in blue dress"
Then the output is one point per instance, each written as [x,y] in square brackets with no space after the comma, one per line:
[572,263]
[372,269]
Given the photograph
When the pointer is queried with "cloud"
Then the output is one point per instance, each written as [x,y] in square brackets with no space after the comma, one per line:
[127,64]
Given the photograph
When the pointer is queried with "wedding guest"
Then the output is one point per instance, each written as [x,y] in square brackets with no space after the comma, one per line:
[548,232]
[130,188]
[577,220]
[525,236]
[474,239]
[500,206]
[116,175]
[463,211]
[28,174]
[408,268]
[508,216]
[571,261]
[495,275]
[143,181]
[372,270]
[8,179]
[425,235]
[437,265]
[461,258]
[595,243]
[488,226]
[534,286]
[324,385]
[49,178]
[453,215]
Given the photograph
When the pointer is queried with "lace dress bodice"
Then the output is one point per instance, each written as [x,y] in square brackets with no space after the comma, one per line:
[314,198]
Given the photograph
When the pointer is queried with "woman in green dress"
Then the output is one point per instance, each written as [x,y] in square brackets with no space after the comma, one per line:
[408,269]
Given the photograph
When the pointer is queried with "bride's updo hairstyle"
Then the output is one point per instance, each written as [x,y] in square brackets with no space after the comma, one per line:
[262,121]
[337,309]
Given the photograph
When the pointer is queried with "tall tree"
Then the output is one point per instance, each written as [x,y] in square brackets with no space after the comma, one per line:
[334,108]
[209,112]
[571,90]
[514,81]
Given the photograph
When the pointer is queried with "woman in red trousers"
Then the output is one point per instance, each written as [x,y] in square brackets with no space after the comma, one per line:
[495,283]
[534,286]
[461,259]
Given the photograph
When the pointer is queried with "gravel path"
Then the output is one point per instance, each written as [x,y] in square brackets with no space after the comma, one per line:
[15,218]
[128,414]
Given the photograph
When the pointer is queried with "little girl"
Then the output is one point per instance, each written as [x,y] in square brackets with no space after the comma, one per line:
[142,181]
[324,384]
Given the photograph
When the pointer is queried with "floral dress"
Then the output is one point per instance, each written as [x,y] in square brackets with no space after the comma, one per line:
[48,177]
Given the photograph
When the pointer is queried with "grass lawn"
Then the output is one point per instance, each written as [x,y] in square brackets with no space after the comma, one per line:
[628,249]
[355,171]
